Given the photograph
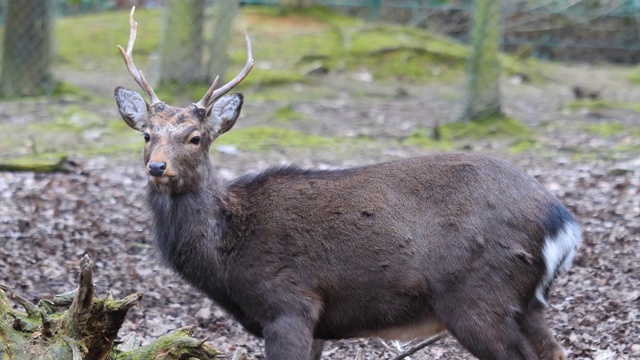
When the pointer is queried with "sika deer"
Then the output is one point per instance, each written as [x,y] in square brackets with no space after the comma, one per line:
[403,249]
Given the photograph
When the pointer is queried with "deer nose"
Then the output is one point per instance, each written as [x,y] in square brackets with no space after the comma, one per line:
[157,168]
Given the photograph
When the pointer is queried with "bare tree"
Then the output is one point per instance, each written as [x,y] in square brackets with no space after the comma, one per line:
[219,57]
[482,93]
[27,52]
[182,45]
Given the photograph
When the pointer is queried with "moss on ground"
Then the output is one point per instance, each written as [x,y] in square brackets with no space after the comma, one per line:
[261,137]
[597,105]
[285,43]
[496,126]
[424,137]
[286,114]
[606,129]
[453,135]
[89,41]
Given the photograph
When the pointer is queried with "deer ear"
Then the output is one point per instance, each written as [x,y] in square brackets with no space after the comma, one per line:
[133,108]
[225,113]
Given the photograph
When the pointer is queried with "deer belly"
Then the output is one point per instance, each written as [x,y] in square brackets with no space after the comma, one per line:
[419,330]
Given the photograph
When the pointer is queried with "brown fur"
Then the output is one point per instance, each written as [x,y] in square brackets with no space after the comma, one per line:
[401,249]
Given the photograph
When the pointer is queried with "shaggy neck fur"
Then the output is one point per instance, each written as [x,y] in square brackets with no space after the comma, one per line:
[188,229]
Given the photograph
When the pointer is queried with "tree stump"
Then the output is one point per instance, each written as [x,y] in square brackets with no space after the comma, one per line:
[78,326]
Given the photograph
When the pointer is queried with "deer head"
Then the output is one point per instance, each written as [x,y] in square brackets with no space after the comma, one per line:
[177,140]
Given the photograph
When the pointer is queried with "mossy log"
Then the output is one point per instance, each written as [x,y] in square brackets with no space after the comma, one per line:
[79,326]
[64,165]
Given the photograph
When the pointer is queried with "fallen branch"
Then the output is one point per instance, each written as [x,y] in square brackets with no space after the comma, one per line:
[419,346]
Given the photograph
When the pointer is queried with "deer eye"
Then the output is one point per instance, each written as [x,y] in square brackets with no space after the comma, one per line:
[195,140]
[147,137]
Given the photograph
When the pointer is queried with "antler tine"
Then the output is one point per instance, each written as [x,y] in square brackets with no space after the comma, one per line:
[127,56]
[205,102]
[212,94]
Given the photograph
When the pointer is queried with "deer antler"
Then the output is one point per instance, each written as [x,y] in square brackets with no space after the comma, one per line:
[212,94]
[128,60]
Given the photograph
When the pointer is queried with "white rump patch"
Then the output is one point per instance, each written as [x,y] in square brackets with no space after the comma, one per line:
[558,254]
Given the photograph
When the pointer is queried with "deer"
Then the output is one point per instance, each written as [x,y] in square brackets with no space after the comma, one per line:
[456,242]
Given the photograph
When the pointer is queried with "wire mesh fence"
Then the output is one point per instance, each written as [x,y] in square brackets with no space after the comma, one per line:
[552,29]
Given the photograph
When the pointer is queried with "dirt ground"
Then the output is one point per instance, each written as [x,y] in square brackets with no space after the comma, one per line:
[49,221]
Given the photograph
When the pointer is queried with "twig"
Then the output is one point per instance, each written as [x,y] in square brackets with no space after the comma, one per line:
[359,355]
[421,345]
[240,354]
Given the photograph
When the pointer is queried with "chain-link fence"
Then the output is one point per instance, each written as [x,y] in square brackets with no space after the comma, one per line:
[552,29]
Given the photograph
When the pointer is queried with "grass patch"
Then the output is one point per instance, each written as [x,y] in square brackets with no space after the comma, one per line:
[492,126]
[73,119]
[65,88]
[634,77]
[262,137]
[325,15]
[259,79]
[523,145]
[387,51]
[285,43]
[423,137]
[286,114]
[267,78]
[89,41]
[606,129]
[451,134]
[36,159]
[596,105]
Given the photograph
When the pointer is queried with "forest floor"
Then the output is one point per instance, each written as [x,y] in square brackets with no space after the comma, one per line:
[585,152]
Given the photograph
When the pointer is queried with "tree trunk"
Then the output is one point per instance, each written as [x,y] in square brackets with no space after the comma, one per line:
[181,50]
[482,93]
[219,60]
[86,330]
[27,53]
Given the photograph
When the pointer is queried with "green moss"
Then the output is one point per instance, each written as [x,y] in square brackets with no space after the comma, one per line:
[267,78]
[532,69]
[606,129]
[64,88]
[36,159]
[173,345]
[111,305]
[597,105]
[72,119]
[89,41]
[628,148]
[336,41]
[261,137]
[258,80]
[326,15]
[487,127]
[590,105]
[451,133]
[634,76]
[124,148]
[423,137]
[523,145]
[326,47]
[386,51]
[285,114]
[118,126]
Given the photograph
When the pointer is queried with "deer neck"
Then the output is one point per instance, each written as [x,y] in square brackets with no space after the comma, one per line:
[188,229]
